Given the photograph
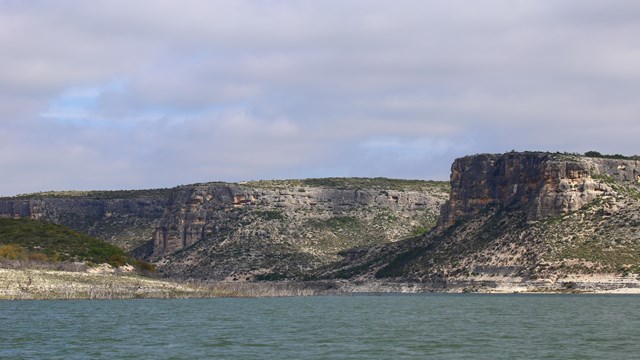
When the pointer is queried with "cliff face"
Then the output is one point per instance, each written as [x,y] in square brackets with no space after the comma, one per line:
[259,229]
[523,218]
[126,221]
[195,213]
[224,231]
[545,185]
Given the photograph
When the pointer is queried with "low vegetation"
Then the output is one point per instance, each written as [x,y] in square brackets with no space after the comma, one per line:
[99,194]
[31,240]
[378,183]
[44,284]
[595,154]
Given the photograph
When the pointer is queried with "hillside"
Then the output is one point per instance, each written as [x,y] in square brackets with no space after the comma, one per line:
[536,220]
[40,260]
[25,239]
[526,221]
[271,230]
[268,229]
[124,218]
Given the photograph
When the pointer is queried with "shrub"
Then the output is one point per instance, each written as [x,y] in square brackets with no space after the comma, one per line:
[593,154]
[35,256]
[144,266]
[596,154]
[268,215]
[12,252]
[116,260]
[24,238]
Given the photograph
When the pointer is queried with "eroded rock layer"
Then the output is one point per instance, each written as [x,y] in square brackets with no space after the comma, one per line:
[529,219]
[544,184]
[267,229]
[195,213]
[283,230]
[127,219]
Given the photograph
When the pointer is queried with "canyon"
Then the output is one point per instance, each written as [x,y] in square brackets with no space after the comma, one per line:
[521,220]
[529,221]
[252,230]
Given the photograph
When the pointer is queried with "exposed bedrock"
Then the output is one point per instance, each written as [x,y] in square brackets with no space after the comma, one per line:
[545,184]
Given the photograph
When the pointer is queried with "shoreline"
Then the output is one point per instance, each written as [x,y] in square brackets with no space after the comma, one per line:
[37,284]
[574,283]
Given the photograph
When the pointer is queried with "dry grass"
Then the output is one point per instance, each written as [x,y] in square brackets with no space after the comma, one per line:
[37,284]
[48,284]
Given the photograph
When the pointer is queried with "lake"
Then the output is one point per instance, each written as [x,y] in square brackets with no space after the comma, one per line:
[434,326]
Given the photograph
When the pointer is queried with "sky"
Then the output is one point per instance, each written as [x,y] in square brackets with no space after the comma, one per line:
[113,94]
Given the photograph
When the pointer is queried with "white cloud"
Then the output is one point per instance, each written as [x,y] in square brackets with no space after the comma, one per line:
[152,93]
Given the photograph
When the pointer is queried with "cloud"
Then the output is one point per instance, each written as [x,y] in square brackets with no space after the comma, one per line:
[120,94]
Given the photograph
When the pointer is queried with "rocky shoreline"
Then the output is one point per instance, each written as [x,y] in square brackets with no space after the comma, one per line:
[37,284]
[50,284]
[46,284]
[587,284]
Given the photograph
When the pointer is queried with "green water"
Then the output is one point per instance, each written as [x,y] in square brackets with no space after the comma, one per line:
[356,327]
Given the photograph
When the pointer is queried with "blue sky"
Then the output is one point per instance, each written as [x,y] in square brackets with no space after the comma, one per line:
[154,93]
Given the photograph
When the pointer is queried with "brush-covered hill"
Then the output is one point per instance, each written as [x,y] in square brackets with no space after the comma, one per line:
[124,218]
[26,240]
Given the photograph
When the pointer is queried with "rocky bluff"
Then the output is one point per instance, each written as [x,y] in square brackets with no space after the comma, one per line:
[125,218]
[277,229]
[216,230]
[199,211]
[531,220]
[544,184]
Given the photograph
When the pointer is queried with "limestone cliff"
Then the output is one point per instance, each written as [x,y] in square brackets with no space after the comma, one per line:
[264,229]
[283,229]
[197,212]
[543,184]
[125,218]
[529,218]
[523,217]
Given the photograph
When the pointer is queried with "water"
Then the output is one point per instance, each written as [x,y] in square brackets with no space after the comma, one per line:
[357,327]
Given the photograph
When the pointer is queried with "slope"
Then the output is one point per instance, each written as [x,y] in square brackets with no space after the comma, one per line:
[25,239]
[533,218]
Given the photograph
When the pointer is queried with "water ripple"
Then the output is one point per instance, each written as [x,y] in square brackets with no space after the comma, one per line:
[357,327]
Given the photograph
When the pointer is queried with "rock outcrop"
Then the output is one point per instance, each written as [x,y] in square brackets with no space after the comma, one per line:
[257,229]
[284,229]
[520,218]
[543,184]
[197,212]
[127,219]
